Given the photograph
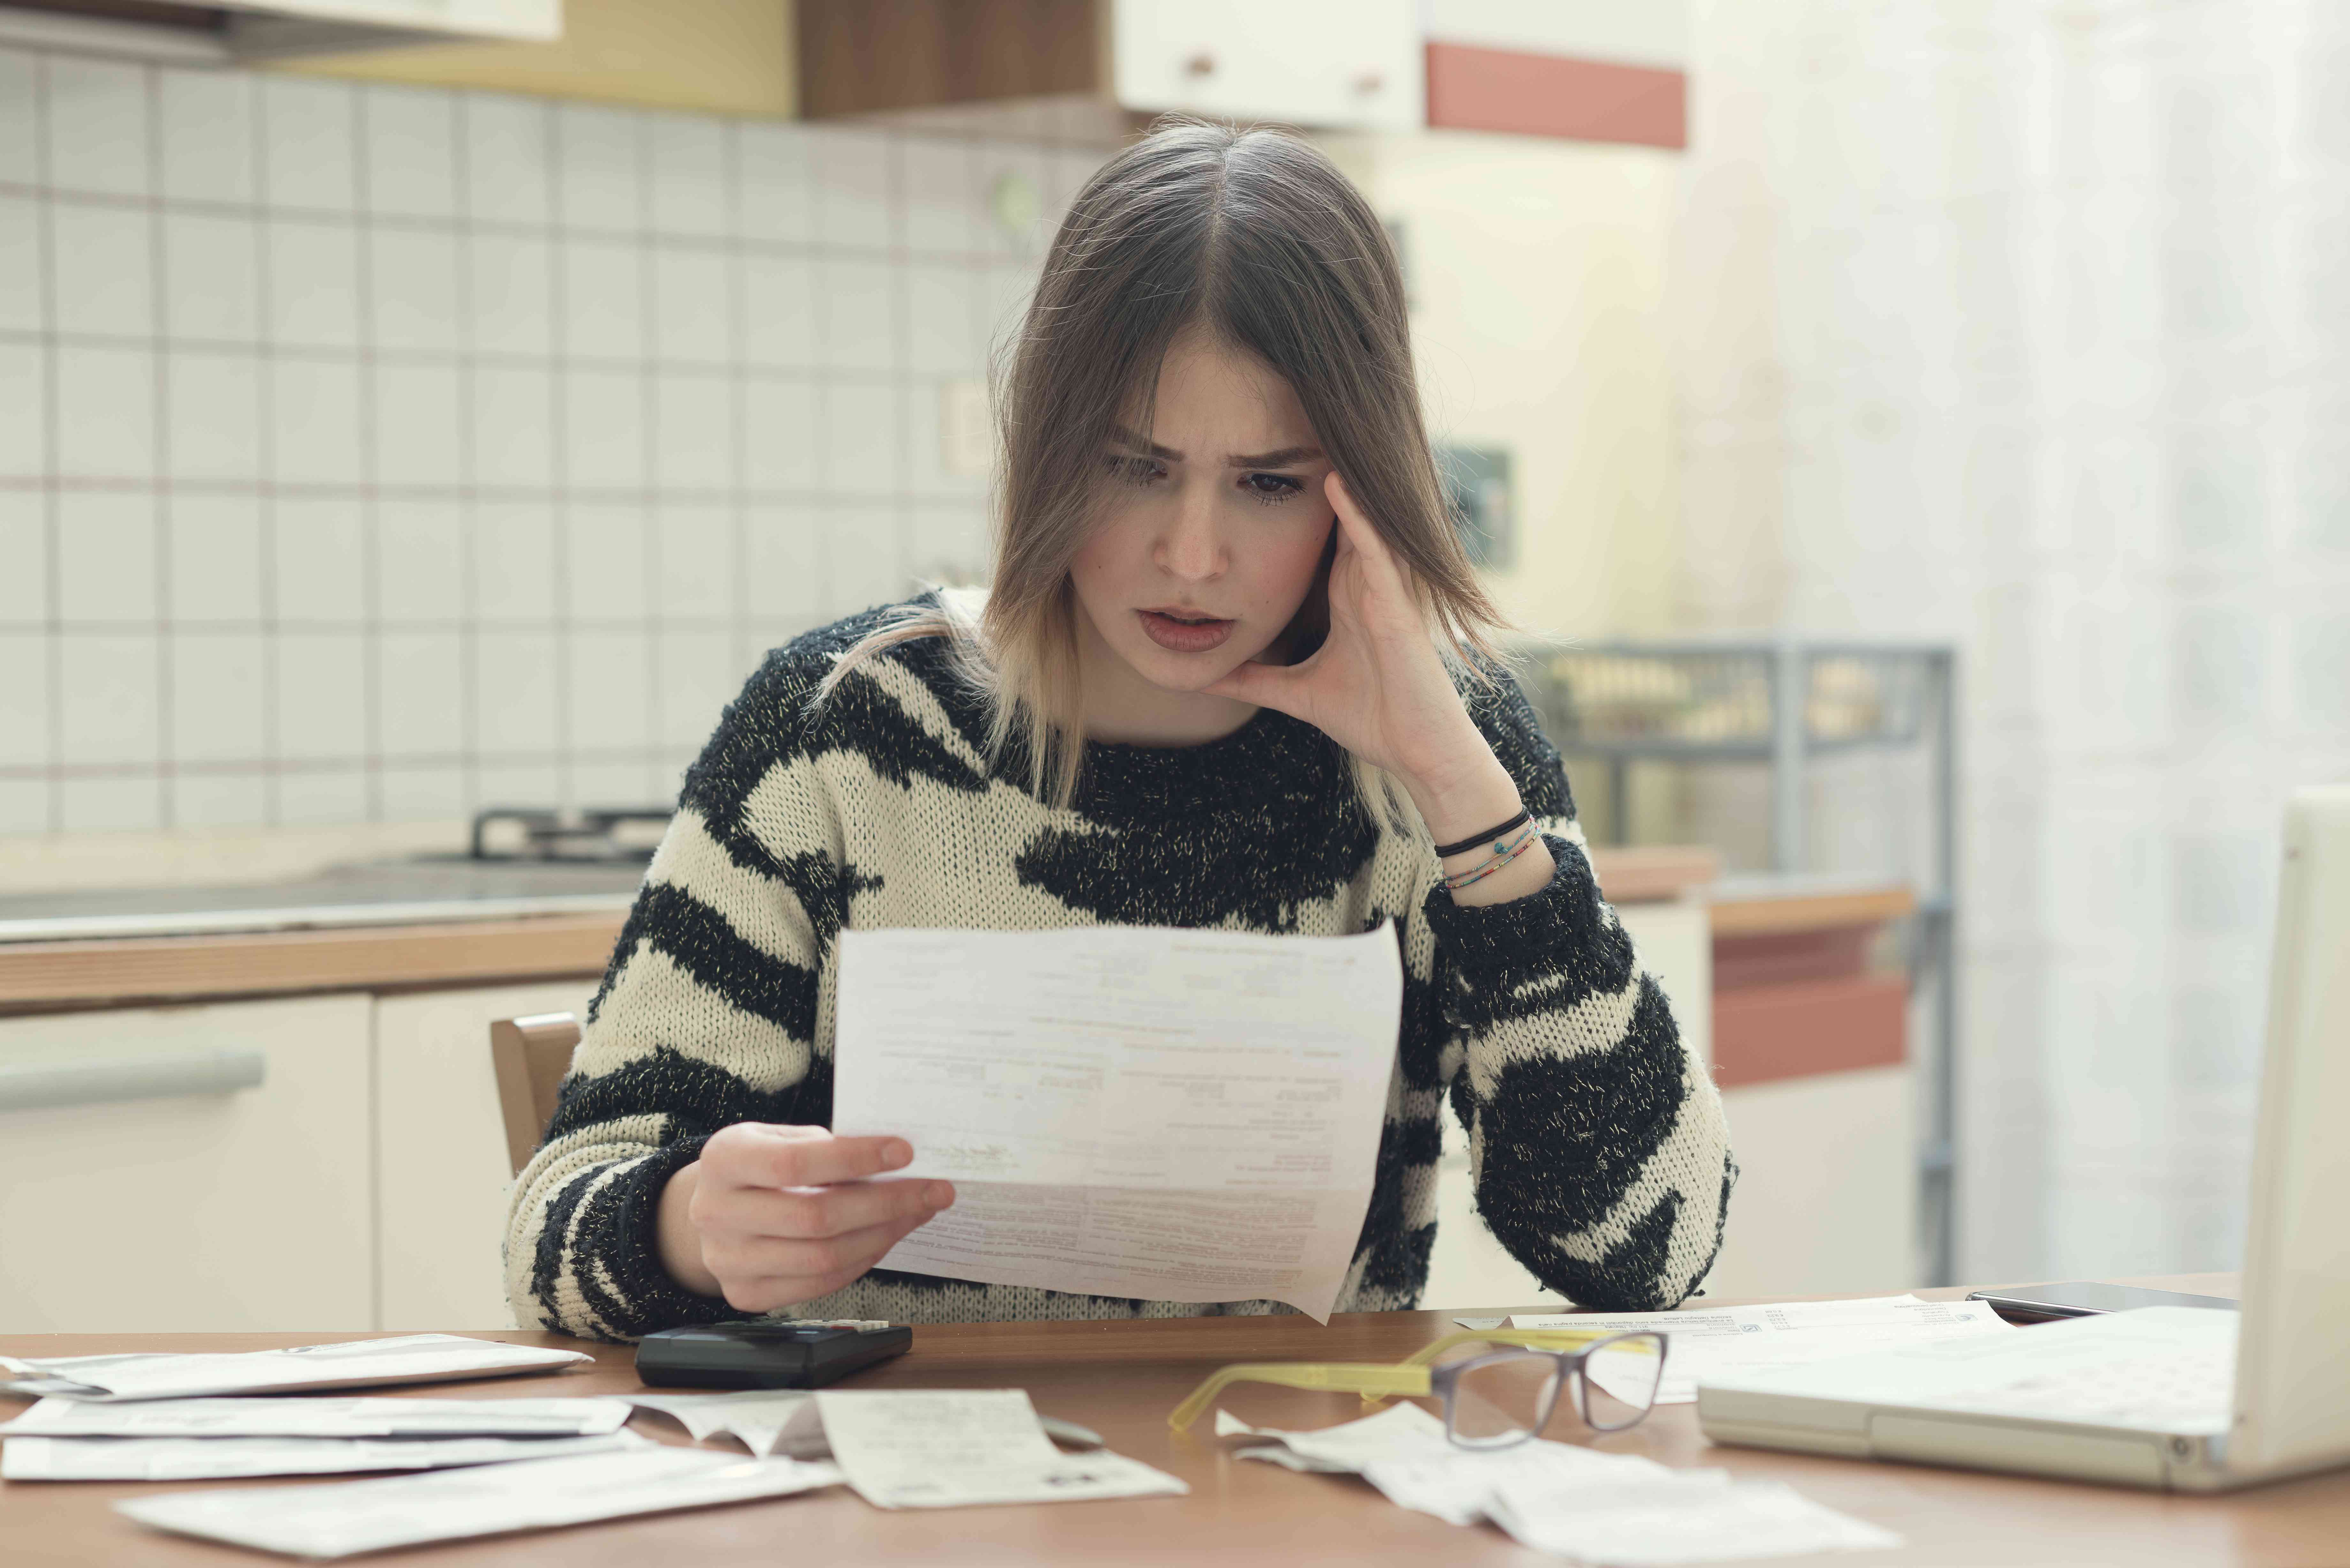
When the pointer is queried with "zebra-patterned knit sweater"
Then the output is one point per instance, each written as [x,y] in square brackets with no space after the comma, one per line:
[1599,1153]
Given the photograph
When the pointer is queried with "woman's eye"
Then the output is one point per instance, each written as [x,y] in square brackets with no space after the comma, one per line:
[1273,489]
[1134,469]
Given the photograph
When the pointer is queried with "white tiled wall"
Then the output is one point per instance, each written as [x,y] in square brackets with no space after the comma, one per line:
[2023,326]
[372,452]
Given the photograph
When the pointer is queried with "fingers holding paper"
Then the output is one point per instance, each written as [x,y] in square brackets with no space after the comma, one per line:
[773,1216]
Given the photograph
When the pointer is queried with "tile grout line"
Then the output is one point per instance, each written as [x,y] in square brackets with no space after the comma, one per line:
[738,313]
[370,456]
[161,457]
[656,612]
[460,327]
[559,537]
[53,454]
[273,795]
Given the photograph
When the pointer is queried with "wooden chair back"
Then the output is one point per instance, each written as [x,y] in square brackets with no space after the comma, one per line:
[531,1055]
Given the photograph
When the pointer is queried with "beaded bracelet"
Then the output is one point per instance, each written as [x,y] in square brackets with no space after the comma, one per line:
[1502,855]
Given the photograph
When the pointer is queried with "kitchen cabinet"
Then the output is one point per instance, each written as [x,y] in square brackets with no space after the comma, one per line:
[227,1208]
[1090,68]
[442,1155]
[1827,1191]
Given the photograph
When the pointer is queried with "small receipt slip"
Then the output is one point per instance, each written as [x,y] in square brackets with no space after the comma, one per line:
[1129,1111]
[953,1448]
[346,1518]
[355,1364]
[358,1418]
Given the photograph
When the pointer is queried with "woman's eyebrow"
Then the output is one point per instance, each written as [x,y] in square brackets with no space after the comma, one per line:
[1286,455]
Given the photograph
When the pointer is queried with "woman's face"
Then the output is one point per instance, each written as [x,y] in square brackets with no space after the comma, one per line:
[1214,526]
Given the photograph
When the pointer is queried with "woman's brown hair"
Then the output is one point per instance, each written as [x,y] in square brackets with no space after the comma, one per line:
[1256,239]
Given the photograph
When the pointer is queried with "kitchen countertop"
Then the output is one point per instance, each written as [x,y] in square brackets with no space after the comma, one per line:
[396,924]
[420,891]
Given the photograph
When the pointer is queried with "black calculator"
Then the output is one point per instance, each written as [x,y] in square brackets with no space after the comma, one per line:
[766,1353]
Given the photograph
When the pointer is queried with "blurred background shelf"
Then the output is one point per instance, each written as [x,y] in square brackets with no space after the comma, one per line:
[1787,704]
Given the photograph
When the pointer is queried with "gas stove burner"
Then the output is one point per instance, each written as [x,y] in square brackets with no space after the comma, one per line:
[585,834]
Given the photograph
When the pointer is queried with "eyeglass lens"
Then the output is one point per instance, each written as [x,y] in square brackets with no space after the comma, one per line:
[1619,1380]
[1504,1397]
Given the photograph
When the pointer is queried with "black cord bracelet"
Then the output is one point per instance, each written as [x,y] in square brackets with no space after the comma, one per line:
[1445,851]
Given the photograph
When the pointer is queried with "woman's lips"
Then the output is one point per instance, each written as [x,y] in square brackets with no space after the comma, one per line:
[1183,636]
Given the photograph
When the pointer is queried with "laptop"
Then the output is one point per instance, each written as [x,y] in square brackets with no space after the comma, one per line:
[2177,1398]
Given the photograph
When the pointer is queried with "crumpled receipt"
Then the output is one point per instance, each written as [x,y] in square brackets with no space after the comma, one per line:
[1606,1511]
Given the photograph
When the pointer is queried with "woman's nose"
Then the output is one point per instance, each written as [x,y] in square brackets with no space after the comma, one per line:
[1192,549]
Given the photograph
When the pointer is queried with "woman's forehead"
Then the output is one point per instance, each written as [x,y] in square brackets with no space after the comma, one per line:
[1217,401]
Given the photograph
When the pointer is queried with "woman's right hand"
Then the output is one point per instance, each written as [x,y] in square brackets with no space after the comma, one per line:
[772,1216]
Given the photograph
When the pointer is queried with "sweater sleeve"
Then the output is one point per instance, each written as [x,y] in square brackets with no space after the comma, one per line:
[1597,1148]
[707,1016]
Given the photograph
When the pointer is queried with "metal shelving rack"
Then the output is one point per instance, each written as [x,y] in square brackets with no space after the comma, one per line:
[1786,702]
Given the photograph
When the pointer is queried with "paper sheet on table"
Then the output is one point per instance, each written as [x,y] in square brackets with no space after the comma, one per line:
[350,1517]
[766,1420]
[1705,1344]
[1690,1516]
[217,1459]
[1174,1114]
[322,1418]
[949,1447]
[353,1364]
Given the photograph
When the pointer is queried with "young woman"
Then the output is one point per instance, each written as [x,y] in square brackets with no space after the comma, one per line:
[1230,673]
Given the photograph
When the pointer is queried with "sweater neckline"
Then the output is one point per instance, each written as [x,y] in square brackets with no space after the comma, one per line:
[1271,759]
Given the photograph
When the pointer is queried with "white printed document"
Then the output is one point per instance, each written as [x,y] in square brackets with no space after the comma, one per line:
[219,1458]
[1127,1111]
[953,1448]
[1706,1343]
[343,1519]
[322,1418]
[1675,1518]
[354,1364]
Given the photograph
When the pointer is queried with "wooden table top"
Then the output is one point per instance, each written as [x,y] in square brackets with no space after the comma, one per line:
[1121,1378]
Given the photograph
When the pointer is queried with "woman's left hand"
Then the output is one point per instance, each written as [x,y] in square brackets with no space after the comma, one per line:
[1377,685]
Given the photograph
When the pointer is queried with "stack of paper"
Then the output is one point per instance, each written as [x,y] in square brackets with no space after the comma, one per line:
[218,1458]
[193,1439]
[351,1517]
[1705,1344]
[945,1449]
[351,1417]
[1611,1510]
[357,1364]
[1178,1115]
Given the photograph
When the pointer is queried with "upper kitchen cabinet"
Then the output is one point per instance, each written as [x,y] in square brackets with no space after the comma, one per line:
[1088,69]
[272,29]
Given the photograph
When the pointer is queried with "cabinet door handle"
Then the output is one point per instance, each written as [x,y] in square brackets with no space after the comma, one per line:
[37,1085]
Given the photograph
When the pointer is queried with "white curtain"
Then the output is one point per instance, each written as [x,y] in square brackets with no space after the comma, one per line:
[2027,325]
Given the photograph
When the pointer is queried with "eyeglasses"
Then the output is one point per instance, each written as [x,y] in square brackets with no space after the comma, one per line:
[1493,1398]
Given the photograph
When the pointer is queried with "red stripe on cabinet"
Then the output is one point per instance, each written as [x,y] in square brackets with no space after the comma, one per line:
[1470,89]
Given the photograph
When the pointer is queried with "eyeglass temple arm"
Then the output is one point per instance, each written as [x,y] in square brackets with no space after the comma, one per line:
[1528,1338]
[1338,1376]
